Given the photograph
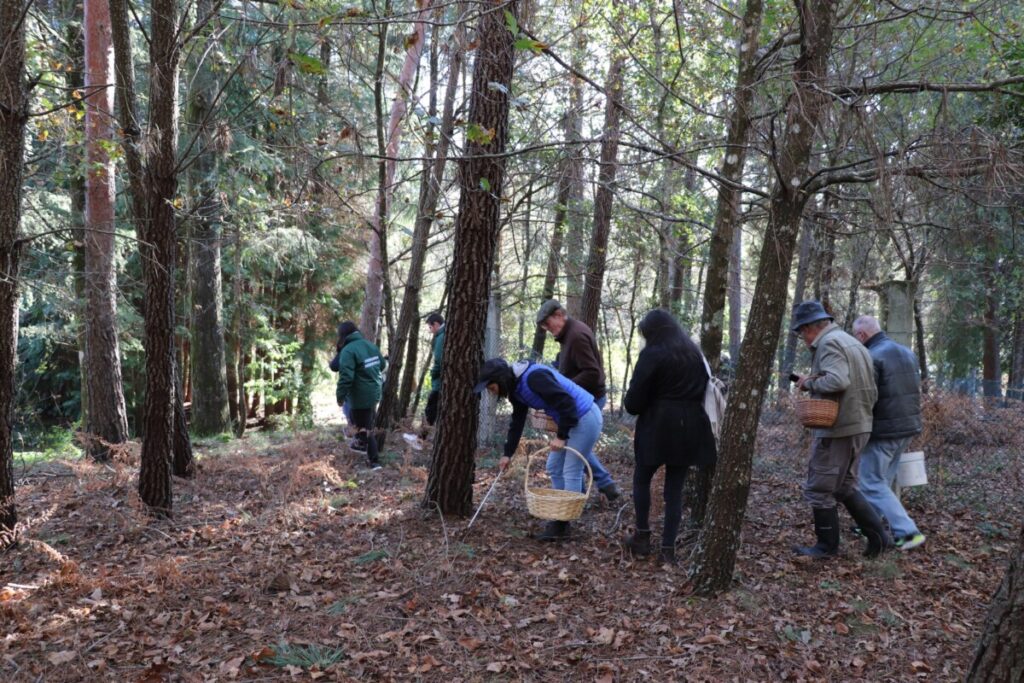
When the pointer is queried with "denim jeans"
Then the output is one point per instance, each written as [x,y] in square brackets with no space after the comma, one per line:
[565,469]
[602,477]
[879,462]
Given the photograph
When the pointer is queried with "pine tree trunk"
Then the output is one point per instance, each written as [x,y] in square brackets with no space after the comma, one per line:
[1016,386]
[106,419]
[1000,654]
[715,554]
[590,304]
[210,412]
[14,102]
[575,219]
[554,251]
[450,486]
[159,257]
[727,212]
[803,265]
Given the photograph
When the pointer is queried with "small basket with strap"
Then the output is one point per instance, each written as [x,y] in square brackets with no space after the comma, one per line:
[555,504]
[541,420]
[816,413]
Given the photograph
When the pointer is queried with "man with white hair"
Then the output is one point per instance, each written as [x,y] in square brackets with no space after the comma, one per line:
[896,420]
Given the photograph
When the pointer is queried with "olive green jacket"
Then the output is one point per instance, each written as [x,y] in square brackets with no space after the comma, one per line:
[842,370]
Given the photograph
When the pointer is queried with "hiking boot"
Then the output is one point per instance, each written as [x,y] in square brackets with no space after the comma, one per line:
[554,530]
[667,555]
[870,523]
[357,444]
[910,541]
[611,492]
[639,543]
[826,528]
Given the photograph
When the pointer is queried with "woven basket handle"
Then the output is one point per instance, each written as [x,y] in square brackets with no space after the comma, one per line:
[531,456]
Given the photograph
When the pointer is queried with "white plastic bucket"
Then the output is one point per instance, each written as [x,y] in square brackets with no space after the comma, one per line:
[911,471]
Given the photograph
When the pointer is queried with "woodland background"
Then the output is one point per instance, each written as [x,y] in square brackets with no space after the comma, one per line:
[194,194]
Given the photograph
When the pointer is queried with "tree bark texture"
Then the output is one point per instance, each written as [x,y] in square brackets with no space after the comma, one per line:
[727,211]
[1000,653]
[376,274]
[159,257]
[105,419]
[450,486]
[590,304]
[715,555]
[803,264]
[554,251]
[14,99]
[210,413]
[430,191]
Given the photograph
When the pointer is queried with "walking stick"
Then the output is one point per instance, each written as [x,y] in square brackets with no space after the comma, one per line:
[486,496]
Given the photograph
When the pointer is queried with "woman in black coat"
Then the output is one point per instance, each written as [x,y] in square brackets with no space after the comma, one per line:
[667,392]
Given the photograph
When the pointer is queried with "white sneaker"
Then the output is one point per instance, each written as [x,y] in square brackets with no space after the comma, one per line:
[413,441]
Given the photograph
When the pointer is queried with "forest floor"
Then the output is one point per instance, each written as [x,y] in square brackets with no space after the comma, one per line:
[287,559]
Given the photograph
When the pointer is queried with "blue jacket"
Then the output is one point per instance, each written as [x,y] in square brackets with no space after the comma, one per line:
[897,412]
[544,388]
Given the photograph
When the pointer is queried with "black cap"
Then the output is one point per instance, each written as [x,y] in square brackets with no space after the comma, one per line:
[807,312]
[492,371]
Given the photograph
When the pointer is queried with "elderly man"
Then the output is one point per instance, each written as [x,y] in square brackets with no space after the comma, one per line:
[841,370]
[580,361]
[897,419]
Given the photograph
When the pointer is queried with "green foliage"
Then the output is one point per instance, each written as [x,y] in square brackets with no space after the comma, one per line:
[311,656]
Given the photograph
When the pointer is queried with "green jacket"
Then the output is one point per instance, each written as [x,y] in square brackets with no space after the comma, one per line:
[360,373]
[435,370]
[843,371]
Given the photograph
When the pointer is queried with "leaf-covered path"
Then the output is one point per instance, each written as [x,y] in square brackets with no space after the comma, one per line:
[287,559]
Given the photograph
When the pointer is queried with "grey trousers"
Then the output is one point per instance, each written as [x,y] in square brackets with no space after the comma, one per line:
[832,470]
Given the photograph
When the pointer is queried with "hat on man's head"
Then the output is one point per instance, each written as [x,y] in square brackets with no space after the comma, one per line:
[547,308]
[807,312]
[493,371]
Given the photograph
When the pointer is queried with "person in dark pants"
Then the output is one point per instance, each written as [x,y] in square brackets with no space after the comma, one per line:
[579,360]
[435,323]
[666,391]
[841,370]
[531,385]
[360,378]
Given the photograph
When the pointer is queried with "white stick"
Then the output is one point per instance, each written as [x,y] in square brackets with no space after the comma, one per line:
[486,496]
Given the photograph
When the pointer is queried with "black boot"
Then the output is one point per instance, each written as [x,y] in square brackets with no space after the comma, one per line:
[870,524]
[826,528]
[554,531]
[611,492]
[639,544]
[667,555]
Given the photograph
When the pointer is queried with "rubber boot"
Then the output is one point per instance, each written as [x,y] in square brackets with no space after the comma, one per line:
[667,555]
[826,528]
[554,531]
[639,543]
[870,524]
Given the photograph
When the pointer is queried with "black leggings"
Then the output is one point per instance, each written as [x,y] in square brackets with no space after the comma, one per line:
[675,475]
[363,419]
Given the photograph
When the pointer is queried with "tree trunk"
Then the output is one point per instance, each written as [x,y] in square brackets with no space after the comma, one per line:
[1016,387]
[159,257]
[391,406]
[590,305]
[14,99]
[554,250]
[210,412]
[575,218]
[736,292]
[106,420]
[450,486]
[803,265]
[183,464]
[719,540]
[376,274]
[1000,653]
[992,374]
[712,318]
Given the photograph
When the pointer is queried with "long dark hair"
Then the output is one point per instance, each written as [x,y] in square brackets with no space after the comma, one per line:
[660,330]
[344,330]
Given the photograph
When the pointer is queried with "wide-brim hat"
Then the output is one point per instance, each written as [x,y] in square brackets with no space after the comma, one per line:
[807,312]
[547,308]
[492,371]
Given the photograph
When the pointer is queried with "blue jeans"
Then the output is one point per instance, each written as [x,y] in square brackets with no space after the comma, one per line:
[565,469]
[879,462]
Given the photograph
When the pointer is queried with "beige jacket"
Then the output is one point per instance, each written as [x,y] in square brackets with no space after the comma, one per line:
[843,371]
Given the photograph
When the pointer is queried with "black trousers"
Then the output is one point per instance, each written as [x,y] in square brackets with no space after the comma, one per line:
[674,477]
[363,419]
[430,412]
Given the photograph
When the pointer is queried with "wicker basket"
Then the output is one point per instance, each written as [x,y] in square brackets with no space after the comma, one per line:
[563,506]
[540,420]
[816,413]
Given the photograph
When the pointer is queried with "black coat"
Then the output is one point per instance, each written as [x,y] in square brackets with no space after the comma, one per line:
[668,396]
[897,412]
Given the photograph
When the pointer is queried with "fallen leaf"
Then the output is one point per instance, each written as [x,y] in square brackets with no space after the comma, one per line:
[842,628]
[496,667]
[711,639]
[604,636]
[469,643]
[62,657]
[813,665]
[920,667]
